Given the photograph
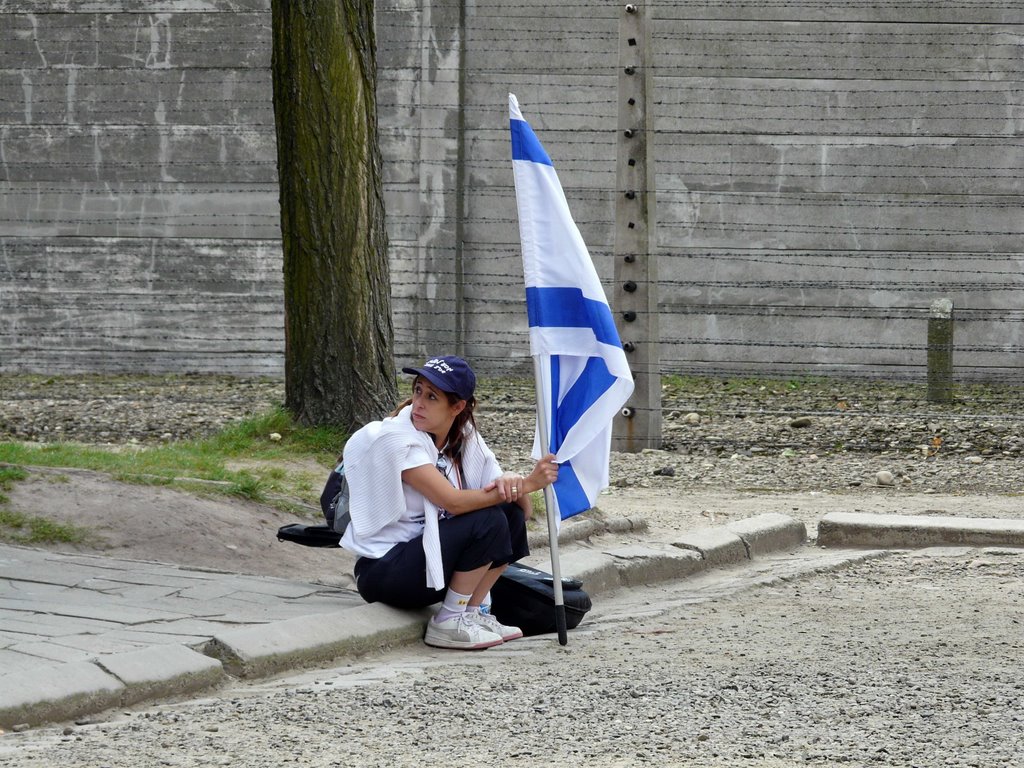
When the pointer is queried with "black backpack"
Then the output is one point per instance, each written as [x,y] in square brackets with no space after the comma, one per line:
[334,500]
[334,503]
[525,597]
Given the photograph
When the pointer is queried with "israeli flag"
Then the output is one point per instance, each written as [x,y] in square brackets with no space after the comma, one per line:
[582,375]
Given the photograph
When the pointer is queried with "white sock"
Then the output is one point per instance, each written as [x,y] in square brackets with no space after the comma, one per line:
[453,605]
[485,604]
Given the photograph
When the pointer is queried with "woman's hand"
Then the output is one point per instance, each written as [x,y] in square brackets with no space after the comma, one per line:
[513,487]
[510,486]
[545,472]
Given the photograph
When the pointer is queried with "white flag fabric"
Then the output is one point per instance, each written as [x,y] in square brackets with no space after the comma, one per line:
[583,378]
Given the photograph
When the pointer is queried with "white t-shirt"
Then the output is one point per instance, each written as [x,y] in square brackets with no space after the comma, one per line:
[383,508]
[408,526]
[410,523]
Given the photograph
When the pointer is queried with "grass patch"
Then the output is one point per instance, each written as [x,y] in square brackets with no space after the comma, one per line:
[248,487]
[9,476]
[253,436]
[265,444]
[25,529]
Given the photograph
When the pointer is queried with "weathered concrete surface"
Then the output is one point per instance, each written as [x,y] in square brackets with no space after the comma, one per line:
[82,634]
[52,693]
[771,532]
[855,529]
[161,671]
[265,649]
[716,546]
[799,165]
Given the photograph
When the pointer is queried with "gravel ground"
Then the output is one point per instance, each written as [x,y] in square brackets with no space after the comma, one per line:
[766,436]
[906,660]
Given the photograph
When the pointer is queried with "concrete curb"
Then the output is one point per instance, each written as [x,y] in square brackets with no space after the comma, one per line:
[59,692]
[586,528]
[770,532]
[71,690]
[716,546]
[598,571]
[278,646]
[647,564]
[270,648]
[161,671]
[603,569]
[860,529]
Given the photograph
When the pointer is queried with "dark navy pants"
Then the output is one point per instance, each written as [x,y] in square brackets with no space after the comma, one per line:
[494,535]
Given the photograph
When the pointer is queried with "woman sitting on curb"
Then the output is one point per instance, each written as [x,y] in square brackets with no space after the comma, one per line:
[434,518]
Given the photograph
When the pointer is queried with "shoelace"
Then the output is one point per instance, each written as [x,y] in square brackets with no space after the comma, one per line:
[488,621]
[467,624]
[491,624]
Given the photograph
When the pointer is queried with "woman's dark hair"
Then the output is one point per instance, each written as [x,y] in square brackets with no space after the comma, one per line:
[456,436]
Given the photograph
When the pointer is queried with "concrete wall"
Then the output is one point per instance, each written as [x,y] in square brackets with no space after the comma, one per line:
[821,182]
[138,202]
[823,173]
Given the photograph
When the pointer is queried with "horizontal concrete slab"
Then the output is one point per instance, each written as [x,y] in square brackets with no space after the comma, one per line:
[717,546]
[857,529]
[268,648]
[770,532]
[56,692]
[167,670]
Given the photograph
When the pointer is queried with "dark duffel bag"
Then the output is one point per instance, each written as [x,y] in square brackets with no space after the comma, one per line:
[525,597]
[309,535]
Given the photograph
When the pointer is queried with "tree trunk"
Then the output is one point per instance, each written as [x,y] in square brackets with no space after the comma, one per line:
[339,360]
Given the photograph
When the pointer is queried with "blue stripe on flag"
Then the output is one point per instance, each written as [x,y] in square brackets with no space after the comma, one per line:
[526,145]
[556,377]
[572,499]
[593,382]
[569,308]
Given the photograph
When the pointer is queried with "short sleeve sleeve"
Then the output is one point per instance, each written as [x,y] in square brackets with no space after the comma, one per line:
[416,456]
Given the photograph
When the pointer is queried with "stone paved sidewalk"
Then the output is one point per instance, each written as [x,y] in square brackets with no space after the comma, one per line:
[81,634]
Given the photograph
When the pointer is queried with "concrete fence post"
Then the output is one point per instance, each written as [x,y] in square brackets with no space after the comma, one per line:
[940,351]
[635,298]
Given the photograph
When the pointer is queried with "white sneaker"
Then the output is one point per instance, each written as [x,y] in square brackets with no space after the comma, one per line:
[491,624]
[460,632]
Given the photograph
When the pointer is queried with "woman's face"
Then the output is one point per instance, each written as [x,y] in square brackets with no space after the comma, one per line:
[431,411]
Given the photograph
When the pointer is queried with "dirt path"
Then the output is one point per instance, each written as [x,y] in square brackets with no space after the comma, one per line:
[143,522]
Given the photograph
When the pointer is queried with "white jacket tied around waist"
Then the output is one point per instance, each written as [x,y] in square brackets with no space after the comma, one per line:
[374,459]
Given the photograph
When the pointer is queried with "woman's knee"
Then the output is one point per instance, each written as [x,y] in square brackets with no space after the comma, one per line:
[516,519]
[514,515]
[494,521]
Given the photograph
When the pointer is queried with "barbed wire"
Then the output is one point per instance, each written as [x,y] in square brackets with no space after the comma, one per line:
[132,8]
[968,111]
[406,275]
[525,32]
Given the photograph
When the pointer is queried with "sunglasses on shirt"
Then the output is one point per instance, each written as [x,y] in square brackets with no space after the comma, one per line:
[444,465]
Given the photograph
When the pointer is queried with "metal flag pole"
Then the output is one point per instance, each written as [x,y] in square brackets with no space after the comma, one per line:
[550,508]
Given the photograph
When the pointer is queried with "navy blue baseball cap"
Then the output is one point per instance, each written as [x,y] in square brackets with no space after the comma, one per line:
[449,374]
